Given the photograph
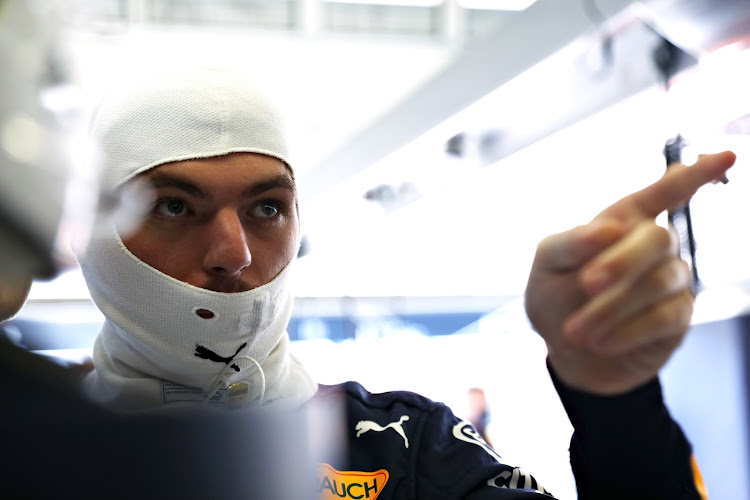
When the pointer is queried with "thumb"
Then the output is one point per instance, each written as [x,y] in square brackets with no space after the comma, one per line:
[571,249]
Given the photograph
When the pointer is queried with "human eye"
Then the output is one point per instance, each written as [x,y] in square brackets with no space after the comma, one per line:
[266,209]
[172,207]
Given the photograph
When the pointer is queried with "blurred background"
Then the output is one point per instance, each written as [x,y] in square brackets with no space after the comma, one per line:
[435,143]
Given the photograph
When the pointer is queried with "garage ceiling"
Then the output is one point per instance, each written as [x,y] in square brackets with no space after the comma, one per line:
[556,111]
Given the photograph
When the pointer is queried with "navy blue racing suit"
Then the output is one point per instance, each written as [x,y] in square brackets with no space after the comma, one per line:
[404,446]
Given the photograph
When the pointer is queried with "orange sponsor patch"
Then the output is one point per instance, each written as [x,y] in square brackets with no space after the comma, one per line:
[698,478]
[335,484]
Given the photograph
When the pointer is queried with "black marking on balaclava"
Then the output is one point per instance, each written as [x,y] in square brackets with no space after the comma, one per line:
[206,353]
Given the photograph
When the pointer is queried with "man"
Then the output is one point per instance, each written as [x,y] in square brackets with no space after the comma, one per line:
[479,412]
[196,301]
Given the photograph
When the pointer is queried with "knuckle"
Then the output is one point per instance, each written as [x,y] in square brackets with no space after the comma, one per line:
[672,276]
[548,243]
[661,237]
[667,316]
[664,278]
[675,315]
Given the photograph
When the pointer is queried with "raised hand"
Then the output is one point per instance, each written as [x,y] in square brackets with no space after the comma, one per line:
[612,298]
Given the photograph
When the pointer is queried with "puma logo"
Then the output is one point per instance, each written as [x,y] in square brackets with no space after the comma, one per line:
[206,353]
[368,425]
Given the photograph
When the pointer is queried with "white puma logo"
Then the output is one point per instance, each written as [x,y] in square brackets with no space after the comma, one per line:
[368,425]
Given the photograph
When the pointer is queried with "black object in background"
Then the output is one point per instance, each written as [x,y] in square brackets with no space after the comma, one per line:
[679,217]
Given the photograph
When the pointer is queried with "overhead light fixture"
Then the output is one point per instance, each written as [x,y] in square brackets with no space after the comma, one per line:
[496,4]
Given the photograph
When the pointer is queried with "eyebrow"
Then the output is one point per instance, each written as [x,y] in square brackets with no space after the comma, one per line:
[278,182]
[160,180]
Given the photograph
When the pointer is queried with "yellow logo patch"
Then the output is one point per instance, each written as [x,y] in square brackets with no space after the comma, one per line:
[335,484]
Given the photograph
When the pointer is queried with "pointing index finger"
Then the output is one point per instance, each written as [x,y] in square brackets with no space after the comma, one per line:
[679,184]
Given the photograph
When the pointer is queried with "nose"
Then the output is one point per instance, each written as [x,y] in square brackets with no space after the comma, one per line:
[228,252]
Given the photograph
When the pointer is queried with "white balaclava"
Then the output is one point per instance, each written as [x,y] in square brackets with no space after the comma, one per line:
[154,349]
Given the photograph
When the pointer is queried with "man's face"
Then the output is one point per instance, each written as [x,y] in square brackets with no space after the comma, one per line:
[227,223]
